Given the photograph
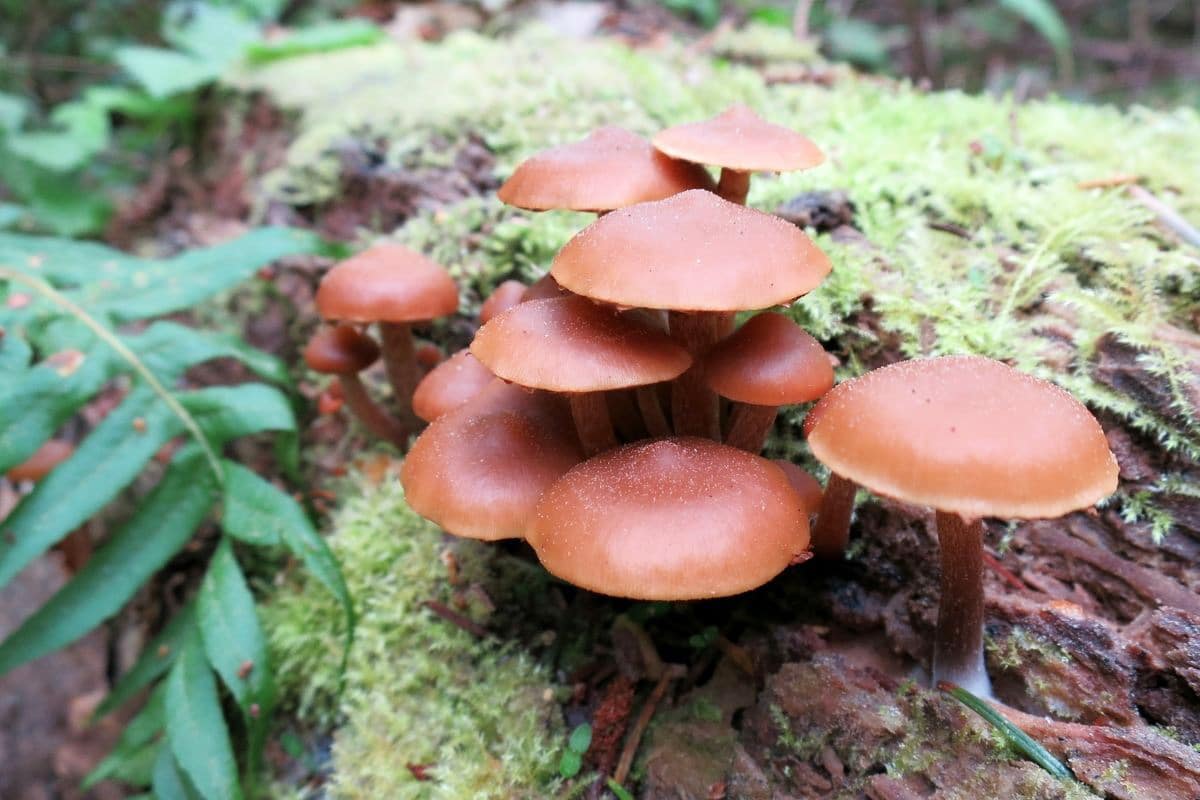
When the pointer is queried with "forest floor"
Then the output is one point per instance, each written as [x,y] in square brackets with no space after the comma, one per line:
[956,224]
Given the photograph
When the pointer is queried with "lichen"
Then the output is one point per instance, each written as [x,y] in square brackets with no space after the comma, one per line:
[481,716]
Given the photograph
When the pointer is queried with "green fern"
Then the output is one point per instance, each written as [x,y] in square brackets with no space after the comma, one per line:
[64,309]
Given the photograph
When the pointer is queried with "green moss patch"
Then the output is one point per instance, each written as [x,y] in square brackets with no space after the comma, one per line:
[478,715]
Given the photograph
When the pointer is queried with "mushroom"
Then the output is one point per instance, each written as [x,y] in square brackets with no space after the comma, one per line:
[505,296]
[739,142]
[479,470]
[769,362]
[701,259]
[807,488]
[343,351]
[611,168]
[573,346]
[395,287]
[670,519]
[970,437]
[451,384]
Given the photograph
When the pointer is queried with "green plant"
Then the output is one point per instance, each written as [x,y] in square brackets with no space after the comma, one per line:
[74,318]
[577,744]
[156,96]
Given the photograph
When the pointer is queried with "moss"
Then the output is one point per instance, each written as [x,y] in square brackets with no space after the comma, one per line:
[418,690]
[1020,647]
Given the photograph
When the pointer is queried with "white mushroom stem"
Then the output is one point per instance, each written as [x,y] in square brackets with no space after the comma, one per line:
[958,646]
[694,407]
[831,533]
[749,426]
[374,418]
[652,412]
[734,186]
[400,362]
[592,422]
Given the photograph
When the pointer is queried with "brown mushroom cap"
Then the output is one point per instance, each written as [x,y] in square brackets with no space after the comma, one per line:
[740,140]
[504,297]
[611,168]
[691,252]
[769,361]
[479,470]
[52,453]
[806,486]
[387,283]
[670,519]
[340,350]
[451,384]
[966,435]
[570,344]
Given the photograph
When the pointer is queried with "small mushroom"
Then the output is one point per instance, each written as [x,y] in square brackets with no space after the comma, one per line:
[970,437]
[768,362]
[479,470]
[740,142]
[453,383]
[670,519]
[611,168]
[395,287]
[504,297]
[700,258]
[343,351]
[573,346]
[808,488]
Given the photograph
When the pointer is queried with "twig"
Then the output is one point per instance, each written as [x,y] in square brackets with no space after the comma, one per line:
[1167,215]
[1004,572]
[454,618]
[109,338]
[1109,181]
[673,672]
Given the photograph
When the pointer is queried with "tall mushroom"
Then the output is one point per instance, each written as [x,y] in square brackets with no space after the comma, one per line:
[768,362]
[971,438]
[573,346]
[670,519]
[343,351]
[611,168]
[701,259]
[395,287]
[739,142]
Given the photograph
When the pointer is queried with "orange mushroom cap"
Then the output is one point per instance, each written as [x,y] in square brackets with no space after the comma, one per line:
[691,252]
[479,470]
[670,519]
[570,344]
[807,488]
[740,140]
[453,383]
[611,168]
[967,435]
[340,350]
[52,453]
[387,283]
[504,297]
[769,361]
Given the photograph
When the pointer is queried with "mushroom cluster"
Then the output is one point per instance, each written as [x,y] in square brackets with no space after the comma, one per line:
[620,434]
[612,416]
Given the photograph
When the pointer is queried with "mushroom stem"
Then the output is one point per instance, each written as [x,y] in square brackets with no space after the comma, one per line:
[749,426]
[958,646]
[694,407]
[734,186]
[370,414]
[592,422]
[652,412]
[625,414]
[400,361]
[831,533]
